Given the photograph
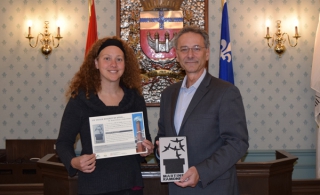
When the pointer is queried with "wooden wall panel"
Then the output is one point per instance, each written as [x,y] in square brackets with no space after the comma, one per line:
[18,150]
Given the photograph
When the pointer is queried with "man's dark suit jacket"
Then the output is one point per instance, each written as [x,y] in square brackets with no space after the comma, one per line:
[216,131]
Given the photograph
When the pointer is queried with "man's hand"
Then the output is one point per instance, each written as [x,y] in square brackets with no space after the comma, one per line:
[85,163]
[157,142]
[190,178]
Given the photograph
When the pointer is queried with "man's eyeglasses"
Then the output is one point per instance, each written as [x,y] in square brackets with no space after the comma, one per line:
[195,49]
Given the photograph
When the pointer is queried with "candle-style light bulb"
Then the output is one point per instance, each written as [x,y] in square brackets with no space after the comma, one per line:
[29,27]
[268,24]
[296,27]
[58,25]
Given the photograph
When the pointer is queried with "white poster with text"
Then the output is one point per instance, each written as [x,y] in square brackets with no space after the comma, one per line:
[117,135]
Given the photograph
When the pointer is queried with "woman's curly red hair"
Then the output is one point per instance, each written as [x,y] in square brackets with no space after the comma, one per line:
[88,77]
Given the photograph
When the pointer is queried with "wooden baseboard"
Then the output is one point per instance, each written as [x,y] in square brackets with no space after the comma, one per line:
[25,189]
[306,187]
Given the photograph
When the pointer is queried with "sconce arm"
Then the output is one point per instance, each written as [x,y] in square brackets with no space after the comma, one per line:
[57,37]
[30,37]
[272,40]
[296,37]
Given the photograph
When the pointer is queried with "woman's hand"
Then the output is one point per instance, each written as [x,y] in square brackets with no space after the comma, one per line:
[149,146]
[85,163]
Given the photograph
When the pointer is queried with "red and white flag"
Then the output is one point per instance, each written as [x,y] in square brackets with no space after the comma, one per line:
[92,35]
[315,85]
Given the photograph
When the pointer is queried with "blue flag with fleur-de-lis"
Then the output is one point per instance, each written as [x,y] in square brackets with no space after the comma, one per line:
[226,70]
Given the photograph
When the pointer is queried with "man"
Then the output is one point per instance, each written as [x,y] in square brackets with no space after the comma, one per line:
[210,113]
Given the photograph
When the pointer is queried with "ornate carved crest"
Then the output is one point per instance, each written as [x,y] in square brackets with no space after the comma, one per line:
[149,26]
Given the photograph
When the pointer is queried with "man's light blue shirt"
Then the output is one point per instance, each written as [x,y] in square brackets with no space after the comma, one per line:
[184,99]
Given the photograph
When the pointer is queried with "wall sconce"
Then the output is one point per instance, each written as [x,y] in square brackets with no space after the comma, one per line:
[45,40]
[280,39]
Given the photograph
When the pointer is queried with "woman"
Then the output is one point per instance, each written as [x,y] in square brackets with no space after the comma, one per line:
[107,83]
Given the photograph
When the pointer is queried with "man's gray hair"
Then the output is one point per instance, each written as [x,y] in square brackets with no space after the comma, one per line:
[193,29]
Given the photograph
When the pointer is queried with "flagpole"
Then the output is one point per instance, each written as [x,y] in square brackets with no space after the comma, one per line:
[318,139]
[315,85]
[89,6]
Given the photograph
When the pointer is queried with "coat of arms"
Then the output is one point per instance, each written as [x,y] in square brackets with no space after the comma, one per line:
[150,26]
[157,30]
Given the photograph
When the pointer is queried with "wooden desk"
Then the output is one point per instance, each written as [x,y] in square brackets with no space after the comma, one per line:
[55,177]
[267,178]
[15,164]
